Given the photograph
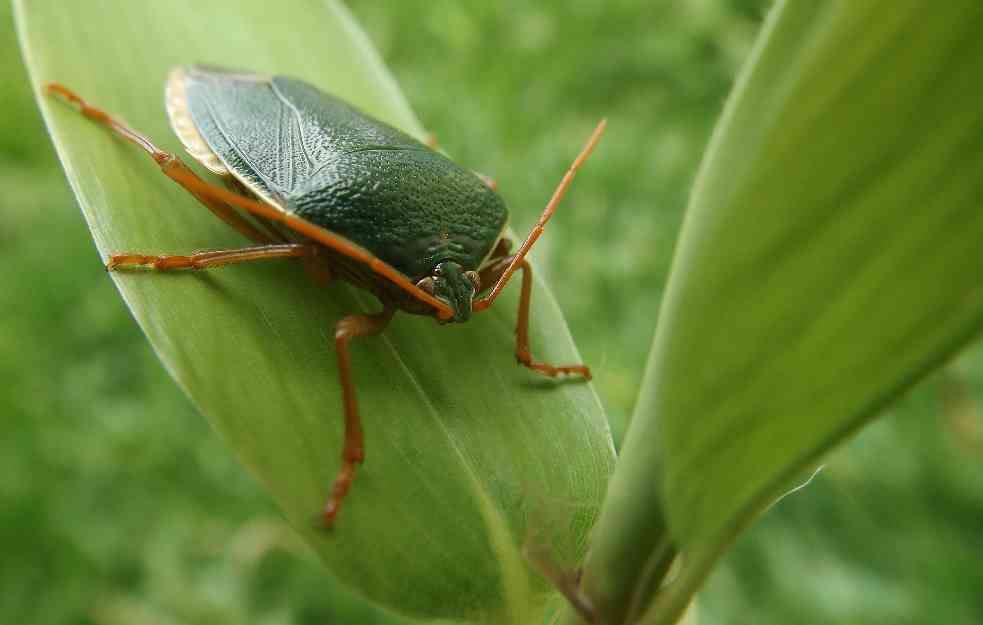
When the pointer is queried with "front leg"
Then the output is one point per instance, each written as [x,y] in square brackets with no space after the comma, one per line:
[522,353]
[490,275]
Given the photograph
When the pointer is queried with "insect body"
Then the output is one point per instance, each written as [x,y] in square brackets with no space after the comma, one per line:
[321,181]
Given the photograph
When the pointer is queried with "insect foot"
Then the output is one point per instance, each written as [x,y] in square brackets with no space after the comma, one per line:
[524,358]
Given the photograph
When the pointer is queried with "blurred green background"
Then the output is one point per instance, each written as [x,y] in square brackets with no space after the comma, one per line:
[118,505]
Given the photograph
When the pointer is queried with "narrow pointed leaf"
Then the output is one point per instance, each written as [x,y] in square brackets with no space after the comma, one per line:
[463,446]
[831,256]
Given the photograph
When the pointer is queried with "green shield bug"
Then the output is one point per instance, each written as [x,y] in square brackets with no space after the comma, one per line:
[307,176]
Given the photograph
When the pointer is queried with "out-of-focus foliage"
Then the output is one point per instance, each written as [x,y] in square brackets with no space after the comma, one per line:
[887,533]
[118,505]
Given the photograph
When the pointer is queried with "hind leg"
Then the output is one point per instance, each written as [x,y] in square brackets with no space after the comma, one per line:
[168,162]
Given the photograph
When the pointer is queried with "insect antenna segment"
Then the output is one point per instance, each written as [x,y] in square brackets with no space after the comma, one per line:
[537,230]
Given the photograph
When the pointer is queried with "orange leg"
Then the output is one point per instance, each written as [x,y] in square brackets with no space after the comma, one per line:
[522,334]
[496,264]
[269,229]
[217,258]
[220,209]
[354,449]
[212,195]
[522,353]
[488,180]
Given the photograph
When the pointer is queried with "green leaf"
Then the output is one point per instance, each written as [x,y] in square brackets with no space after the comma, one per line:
[831,256]
[465,450]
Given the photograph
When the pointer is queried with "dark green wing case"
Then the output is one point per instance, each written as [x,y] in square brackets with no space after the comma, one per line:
[316,156]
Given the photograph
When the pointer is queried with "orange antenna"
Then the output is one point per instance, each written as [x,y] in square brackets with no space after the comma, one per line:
[537,230]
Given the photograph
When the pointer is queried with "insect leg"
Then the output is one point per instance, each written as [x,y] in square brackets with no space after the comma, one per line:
[220,209]
[431,141]
[354,449]
[179,172]
[496,264]
[522,353]
[488,180]
[537,230]
[216,258]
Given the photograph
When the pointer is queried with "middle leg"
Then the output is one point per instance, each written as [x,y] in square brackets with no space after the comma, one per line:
[216,258]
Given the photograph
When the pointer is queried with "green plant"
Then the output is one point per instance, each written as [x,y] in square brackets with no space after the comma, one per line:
[787,323]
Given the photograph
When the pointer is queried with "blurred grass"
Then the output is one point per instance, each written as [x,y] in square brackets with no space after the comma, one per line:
[118,505]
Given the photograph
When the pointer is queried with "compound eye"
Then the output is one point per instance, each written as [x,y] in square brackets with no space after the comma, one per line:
[472,276]
[426,285]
